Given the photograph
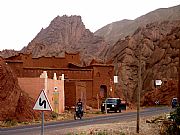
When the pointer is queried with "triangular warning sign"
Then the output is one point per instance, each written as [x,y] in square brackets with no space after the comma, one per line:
[42,103]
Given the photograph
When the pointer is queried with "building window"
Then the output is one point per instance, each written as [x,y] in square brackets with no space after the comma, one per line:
[97,74]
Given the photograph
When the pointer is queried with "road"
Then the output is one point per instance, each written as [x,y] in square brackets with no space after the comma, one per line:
[65,125]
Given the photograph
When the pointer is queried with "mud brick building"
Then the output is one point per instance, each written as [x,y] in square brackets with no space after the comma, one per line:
[91,83]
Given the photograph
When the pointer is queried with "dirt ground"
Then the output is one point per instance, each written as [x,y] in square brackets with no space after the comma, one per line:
[118,128]
[127,127]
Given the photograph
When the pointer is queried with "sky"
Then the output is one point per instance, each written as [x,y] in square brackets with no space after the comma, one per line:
[21,20]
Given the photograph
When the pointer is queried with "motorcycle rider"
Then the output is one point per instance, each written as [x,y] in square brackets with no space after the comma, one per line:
[80,106]
[79,103]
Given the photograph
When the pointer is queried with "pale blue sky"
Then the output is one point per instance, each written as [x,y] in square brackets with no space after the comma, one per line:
[21,20]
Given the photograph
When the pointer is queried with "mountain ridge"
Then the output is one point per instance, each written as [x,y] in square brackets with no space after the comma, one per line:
[125,28]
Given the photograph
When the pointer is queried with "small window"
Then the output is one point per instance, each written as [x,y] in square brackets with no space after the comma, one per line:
[97,74]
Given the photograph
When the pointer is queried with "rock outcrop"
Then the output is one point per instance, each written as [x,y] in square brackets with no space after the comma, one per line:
[15,104]
[8,53]
[163,94]
[66,34]
[120,29]
[158,44]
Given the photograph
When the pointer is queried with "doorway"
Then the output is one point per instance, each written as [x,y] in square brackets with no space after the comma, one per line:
[103,91]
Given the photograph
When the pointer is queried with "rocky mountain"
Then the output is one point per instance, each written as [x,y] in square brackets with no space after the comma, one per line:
[8,53]
[15,104]
[157,43]
[66,34]
[120,29]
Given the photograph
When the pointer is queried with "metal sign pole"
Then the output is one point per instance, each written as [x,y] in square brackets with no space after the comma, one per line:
[42,127]
[42,104]
[106,106]
[178,90]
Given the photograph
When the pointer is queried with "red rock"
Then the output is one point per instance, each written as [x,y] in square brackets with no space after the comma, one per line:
[15,104]
[164,94]
[66,34]
[159,58]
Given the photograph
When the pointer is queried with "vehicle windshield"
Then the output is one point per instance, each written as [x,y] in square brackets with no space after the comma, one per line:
[111,100]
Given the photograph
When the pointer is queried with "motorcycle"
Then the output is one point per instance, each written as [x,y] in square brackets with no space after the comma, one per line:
[78,112]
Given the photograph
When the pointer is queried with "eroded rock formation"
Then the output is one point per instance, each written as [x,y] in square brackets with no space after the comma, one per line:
[120,29]
[163,94]
[159,56]
[66,34]
[15,104]
[8,53]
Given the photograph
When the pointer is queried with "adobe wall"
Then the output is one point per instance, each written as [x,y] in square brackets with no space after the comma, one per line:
[81,93]
[102,75]
[50,62]
[94,76]
[70,93]
[73,58]
[78,89]
[33,87]
[89,93]
[17,67]
[69,73]
[55,92]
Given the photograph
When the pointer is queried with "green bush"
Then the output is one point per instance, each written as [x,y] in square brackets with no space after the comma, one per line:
[98,112]
[175,116]
[173,129]
[54,115]
[10,122]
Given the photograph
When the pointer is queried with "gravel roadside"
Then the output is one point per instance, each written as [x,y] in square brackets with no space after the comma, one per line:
[119,128]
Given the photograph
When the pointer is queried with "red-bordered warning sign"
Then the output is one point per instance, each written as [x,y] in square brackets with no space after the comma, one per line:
[42,102]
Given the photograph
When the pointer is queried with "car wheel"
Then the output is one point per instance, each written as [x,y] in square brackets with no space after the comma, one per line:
[120,110]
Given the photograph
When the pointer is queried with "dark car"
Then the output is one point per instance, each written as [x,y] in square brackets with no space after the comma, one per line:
[113,104]
[174,102]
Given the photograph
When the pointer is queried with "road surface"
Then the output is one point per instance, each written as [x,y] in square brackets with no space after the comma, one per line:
[65,125]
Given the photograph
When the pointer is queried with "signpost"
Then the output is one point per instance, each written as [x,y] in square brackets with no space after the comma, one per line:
[139,90]
[42,104]
[158,82]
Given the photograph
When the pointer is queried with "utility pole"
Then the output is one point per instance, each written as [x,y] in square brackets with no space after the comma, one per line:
[139,89]
[116,74]
[178,91]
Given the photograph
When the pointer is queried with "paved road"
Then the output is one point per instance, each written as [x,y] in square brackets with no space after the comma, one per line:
[60,126]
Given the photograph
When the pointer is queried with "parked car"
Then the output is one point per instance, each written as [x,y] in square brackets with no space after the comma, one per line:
[174,102]
[113,104]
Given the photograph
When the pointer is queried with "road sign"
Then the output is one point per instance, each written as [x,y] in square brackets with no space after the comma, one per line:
[115,79]
[158,82]
[42,103]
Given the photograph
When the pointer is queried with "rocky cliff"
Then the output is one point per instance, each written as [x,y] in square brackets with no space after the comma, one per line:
[163,94]
[66,34]
[15,104]
[8,53]
[157,43]
[120,29]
